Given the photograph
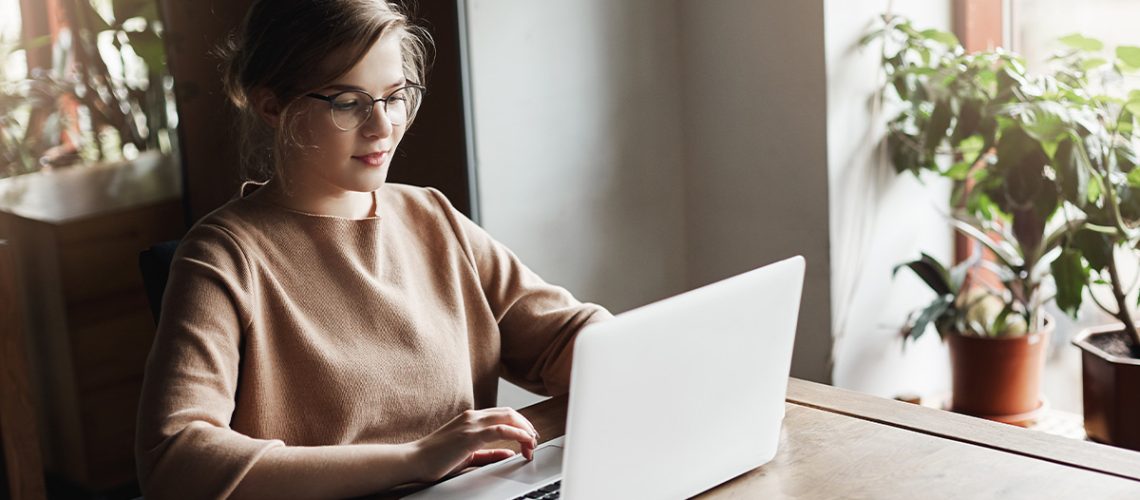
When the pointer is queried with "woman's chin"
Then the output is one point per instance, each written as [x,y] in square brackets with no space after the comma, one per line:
[371,181]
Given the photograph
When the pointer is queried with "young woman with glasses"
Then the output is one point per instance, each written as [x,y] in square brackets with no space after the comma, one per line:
[327,334]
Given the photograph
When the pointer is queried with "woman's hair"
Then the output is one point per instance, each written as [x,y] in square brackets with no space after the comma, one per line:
[287,47]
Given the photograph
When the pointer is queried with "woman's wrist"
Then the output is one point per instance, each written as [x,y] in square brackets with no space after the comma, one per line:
[412,459]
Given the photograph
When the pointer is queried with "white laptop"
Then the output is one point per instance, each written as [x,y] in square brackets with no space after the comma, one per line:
[667,400]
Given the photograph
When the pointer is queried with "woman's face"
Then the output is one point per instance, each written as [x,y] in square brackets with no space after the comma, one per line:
[334,161]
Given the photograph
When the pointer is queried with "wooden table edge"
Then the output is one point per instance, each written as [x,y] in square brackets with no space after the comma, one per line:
[966,429]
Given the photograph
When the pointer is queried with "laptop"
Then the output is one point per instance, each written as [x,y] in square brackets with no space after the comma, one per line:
[666,400]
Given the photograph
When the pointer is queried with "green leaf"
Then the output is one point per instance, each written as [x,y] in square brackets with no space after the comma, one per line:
[126,9]
[961,270]
[1010,78]
[1092,63]
[1071,175]
[148,46]
[1046,121]
[939,123]
[958,171]
[1070,276]
[933,312]
[1022,161]
[1133,107]
[932,272]
[904,157]
[1058,236]
[1000,323]
[1096,248]
[1081,42]
[942,37]
[872,36]
[1002,249]
[1126,159]
[971,148]
[1129,55]
[969,117]
[29,44]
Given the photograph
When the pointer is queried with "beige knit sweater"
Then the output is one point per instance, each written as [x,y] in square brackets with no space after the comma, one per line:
[281,328]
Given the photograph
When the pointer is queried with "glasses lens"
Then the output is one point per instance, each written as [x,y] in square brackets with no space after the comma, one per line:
[398,106]
[350,109]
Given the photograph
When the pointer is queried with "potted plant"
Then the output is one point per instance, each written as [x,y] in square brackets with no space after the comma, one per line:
[982,120]
[1103,135]
[103,100]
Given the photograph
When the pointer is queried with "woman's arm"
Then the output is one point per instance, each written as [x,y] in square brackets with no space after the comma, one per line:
[538,321]
[328,471]
[355,470]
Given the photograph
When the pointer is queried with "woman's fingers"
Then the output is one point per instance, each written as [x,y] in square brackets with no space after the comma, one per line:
[485,457]
[509,416]
[510,433]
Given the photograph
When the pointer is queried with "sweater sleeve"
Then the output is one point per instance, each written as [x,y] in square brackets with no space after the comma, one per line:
[184,445]
[537,321]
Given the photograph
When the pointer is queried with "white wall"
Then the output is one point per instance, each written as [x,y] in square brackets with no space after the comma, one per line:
[579,144]
[632,149]
[756,157]
[878,219]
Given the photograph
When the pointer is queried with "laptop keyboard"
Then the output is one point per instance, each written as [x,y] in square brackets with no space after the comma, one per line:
[548,492]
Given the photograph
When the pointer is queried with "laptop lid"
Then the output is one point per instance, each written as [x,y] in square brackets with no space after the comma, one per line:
[675,397]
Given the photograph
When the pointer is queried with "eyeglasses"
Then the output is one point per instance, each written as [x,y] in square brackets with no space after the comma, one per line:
[352,108]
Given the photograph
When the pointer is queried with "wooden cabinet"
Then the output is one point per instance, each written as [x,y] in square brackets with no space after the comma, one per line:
[76,236]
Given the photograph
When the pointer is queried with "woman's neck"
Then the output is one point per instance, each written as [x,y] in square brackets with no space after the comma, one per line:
[307,199]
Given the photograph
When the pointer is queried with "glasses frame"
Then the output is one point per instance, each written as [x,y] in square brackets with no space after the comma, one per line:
[332,97]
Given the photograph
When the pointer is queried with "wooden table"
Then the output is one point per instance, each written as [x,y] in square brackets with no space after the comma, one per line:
[842,444]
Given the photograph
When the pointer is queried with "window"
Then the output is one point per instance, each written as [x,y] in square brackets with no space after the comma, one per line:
[1035,26]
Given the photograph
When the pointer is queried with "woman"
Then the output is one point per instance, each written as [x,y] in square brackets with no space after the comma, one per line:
[326,334]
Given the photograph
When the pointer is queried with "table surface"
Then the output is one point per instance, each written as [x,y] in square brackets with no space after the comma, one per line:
[842,444]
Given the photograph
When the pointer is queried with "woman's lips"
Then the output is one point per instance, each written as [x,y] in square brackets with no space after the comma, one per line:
[372,160]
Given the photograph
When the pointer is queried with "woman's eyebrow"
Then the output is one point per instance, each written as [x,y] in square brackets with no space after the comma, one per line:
[346,86]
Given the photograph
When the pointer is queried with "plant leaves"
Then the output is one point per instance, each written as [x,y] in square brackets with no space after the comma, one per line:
[1047,122]
[1095,247]
[1022,160]
[969,117]
[148,46]
[1070,276]
[958,171]
[942,37]
[936,128]
[1072,178]
[126,9]
[1002,249]
[932,272]
[1133,106]
[933,312]
[961,270]
[1092,63]
[903,156]
[1129,55]
[1081,42]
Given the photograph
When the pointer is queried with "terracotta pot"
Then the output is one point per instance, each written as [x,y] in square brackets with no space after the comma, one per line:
[999,378]
[1111,392]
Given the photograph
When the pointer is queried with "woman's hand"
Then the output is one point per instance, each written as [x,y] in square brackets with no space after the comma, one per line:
[460,443]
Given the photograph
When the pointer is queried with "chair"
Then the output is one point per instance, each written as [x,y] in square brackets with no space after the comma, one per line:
[154,263]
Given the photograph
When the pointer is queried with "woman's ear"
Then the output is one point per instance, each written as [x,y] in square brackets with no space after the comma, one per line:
[266,106]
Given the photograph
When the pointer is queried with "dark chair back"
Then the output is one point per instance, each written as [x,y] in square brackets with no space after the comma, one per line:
[155,266]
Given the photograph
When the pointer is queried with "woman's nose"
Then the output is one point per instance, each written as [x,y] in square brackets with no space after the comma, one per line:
[378,124]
